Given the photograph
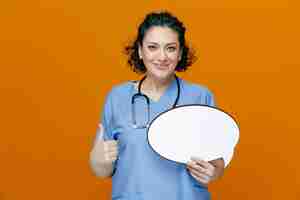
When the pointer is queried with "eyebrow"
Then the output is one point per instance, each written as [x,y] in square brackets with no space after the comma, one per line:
[171,43]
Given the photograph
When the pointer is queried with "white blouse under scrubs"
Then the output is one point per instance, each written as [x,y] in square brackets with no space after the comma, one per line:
[139,173]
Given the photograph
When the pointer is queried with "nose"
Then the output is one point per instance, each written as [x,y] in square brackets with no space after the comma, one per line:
[162,55]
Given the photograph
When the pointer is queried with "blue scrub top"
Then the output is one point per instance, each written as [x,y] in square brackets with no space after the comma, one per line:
[139,173]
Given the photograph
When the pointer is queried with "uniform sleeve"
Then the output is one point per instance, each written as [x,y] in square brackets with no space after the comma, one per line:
[205,97]
[106,119]
[209,99]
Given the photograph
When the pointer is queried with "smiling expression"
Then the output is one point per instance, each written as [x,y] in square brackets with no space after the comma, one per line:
[160,52]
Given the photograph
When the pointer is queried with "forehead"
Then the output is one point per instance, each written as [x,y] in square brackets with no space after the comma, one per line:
[161,35]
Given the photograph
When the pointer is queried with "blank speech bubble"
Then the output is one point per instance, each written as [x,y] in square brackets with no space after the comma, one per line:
[194,130]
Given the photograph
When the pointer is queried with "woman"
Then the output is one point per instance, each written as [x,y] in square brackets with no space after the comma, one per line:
[121,149]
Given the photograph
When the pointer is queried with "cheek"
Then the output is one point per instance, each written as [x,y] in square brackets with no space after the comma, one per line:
[148,56]
[174,57]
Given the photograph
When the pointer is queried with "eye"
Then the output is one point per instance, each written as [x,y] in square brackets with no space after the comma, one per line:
[171,49]
[151,47]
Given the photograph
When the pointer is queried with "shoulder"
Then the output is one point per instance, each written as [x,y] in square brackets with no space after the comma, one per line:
[120,90]
[197,93]
[195,88]
[122,87]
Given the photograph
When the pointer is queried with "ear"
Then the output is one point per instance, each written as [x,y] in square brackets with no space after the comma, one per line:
[180,54]
[140,51]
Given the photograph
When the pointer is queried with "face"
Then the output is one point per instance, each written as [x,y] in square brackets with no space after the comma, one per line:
[160,52]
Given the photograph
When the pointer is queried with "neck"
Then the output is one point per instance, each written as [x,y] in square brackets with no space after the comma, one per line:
[157,86]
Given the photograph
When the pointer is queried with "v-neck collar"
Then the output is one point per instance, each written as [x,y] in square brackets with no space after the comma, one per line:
[163,96]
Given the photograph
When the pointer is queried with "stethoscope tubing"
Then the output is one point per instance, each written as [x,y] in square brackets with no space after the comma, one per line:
[140,94]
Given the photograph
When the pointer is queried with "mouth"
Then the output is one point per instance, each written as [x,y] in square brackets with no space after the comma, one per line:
[162,66]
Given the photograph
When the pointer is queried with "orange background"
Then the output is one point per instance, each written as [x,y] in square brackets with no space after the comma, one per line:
[59,58]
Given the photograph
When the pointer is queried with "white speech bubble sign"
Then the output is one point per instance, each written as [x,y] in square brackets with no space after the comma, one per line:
[194,130]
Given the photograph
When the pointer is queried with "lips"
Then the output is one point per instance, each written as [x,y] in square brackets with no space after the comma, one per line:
[162,66]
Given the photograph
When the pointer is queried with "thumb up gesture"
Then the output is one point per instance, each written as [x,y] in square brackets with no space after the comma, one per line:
[103,154]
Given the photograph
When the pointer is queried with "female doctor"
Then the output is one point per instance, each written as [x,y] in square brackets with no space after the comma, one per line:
[121,150]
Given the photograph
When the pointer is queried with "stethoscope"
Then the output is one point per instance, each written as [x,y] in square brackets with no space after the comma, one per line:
[139,95]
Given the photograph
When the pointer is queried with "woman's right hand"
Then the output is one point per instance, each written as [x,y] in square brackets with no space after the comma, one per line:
[103,154]
[106,152]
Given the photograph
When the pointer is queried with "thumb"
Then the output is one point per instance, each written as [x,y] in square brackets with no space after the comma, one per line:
[197,159]
[100,126]
[100,130]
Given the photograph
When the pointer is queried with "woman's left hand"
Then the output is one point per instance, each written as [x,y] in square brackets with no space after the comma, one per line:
[204,172]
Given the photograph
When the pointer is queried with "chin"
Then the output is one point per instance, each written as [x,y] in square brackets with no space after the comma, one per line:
[162,75]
